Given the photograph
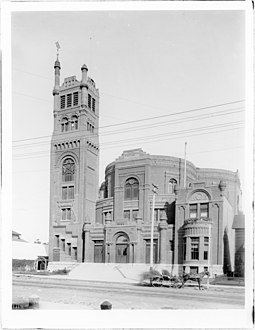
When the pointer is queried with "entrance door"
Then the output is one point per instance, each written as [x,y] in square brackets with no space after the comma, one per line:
[98,251]
[122,249]
[122,253]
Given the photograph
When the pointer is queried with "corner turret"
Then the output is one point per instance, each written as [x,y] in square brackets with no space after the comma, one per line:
[55,92]
[84,85]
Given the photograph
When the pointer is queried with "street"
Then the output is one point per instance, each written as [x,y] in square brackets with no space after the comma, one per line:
[57,293]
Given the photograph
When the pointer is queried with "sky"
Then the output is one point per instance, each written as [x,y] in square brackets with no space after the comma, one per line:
[164,78]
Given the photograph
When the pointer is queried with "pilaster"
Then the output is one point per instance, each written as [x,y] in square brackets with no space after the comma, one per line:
[163,238]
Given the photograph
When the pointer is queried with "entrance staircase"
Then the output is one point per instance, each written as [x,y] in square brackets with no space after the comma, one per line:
[111,272]
[126,273]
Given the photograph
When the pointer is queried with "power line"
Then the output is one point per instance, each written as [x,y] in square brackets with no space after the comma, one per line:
[32,97]
[171,133]
[149,126]
[139,120]
[173,114]
[166,137]
[175,121]
[190,153]
[114,96]
[32,74]
[47,153]
[176,132]
[170,138]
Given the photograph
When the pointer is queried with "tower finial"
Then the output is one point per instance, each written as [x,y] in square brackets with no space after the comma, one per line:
[58,48]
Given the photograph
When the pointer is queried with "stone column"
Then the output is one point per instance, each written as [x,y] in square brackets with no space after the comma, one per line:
[188,249]
[163,238]
[130,258]
[86,229]
[217,250]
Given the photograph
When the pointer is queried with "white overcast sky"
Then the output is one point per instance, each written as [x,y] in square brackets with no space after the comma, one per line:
[145,64]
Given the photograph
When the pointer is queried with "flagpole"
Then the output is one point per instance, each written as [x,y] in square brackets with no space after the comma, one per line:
[152,224]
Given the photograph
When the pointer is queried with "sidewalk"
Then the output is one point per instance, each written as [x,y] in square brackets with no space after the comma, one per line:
[100,282]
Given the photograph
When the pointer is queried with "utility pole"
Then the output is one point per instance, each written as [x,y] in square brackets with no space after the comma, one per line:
[152,224]
[209,252]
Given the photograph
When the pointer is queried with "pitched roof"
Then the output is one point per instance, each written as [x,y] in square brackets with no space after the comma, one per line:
[28,251]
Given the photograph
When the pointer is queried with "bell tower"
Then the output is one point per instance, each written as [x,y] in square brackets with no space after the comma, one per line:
[74,166]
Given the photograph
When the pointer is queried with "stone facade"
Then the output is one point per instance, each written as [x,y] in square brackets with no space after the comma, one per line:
[192,222]
[193,212]
[74,165]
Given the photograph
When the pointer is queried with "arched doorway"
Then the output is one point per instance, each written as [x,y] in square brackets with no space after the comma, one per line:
[122,249]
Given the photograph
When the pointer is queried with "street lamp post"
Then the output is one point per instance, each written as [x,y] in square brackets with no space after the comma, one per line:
[209,252]
[152,224]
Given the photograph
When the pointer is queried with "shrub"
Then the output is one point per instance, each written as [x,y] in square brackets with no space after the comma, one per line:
[22,265]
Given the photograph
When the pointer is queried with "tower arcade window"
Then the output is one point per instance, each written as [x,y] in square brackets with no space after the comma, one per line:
[64,125]
[131,189]
[68,169]
[74,123]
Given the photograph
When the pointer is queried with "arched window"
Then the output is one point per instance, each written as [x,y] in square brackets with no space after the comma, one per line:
[122,239]
[122,249]
[74,123]
[64,125]
[171,184]
[199,205]
[131,189]
[68,169]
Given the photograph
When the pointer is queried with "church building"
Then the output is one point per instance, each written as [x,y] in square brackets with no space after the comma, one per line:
[194,208]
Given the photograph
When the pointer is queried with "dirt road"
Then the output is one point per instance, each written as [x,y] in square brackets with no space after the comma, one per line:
[57,293]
